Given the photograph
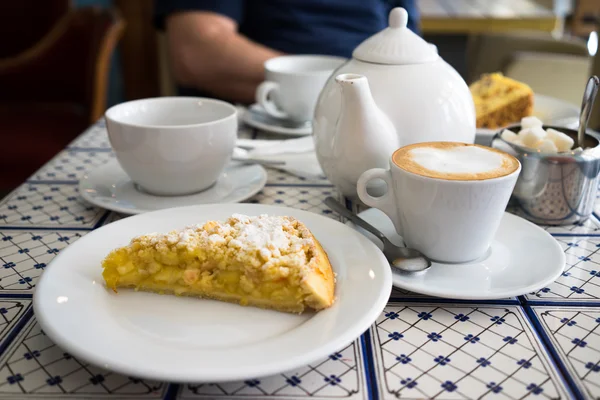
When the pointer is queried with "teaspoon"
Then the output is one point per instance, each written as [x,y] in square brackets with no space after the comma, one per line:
[402,258]
[587,104]
[267,163]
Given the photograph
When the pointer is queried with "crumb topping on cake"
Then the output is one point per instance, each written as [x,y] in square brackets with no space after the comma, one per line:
[265,242]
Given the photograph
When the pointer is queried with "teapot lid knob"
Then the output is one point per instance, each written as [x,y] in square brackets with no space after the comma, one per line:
[398,18]
[396,44]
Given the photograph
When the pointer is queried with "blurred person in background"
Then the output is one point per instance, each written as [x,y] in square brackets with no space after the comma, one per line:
[217,48]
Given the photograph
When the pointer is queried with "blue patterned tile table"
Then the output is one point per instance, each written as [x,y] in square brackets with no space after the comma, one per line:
[542,345]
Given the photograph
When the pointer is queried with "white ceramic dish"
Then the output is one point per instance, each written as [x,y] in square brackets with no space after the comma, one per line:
[163,142]
[109,187]
[550,110]
[180,339]
[257,118]
[523,258]
[293,83]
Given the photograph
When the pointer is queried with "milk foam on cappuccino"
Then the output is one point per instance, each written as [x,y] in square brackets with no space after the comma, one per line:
[455,161]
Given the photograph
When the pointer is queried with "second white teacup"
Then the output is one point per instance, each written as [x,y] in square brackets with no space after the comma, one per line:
[173,145]
[445,199]
[293,83]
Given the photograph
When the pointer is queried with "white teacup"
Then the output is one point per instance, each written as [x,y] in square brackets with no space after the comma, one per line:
[293,83]
[445,199]
[173,145]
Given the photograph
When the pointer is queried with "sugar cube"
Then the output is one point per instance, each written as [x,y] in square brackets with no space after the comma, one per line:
[578,151]
[531,122]
[562,141]
[509,136]
[533,136]
[519,142]
[523,131]
[547,146]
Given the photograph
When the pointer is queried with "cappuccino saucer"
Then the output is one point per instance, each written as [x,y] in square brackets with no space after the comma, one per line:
[256,117]
[523,258]
[109,187]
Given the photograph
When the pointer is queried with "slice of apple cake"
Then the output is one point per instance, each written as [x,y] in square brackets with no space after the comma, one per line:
[265,261]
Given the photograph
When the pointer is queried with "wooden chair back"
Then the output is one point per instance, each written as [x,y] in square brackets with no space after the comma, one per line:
[70,64]
[23,23]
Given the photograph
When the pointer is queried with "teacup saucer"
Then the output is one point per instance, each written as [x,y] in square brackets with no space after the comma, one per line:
[256,117]
[109,187]
[523,258]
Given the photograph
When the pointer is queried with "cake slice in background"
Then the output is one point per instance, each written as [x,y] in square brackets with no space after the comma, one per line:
[500,101]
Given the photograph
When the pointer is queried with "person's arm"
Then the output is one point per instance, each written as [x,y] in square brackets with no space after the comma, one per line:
[208,53]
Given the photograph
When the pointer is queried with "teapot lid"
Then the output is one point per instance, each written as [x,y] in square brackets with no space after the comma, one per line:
[396,44]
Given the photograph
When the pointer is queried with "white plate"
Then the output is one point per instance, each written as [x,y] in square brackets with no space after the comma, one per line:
[191,340]
[108,186]
[550,110]
[257,118]
[523,258]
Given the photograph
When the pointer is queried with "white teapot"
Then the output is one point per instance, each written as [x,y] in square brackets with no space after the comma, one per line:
[395,91]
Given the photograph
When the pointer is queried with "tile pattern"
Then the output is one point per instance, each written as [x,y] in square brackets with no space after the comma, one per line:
[428,351]
[304,198]
[422,348]
[33,365]
[340,375]
[575,333]
[95,137]
[70,165]
[48,206]
[580,280]
[25,254]
[11,311]
[277,177]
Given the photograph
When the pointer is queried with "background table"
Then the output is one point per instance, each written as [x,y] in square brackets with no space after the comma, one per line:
[477,16]
[543,345]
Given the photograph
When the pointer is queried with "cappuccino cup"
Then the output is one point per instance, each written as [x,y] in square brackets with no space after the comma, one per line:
[173,146]
[293,83]
[445,199]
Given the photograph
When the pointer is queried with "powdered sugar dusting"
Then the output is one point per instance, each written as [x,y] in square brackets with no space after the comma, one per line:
[261,232]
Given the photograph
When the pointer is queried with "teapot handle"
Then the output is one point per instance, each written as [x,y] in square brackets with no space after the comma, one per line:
[387,202]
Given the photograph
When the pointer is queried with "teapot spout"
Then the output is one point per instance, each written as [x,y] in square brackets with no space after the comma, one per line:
[364,135]
[358,105]
[350,78]
[355,88]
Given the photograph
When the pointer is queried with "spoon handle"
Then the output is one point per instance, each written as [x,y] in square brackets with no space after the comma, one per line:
[587,104]
[257,161]
[340,209]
